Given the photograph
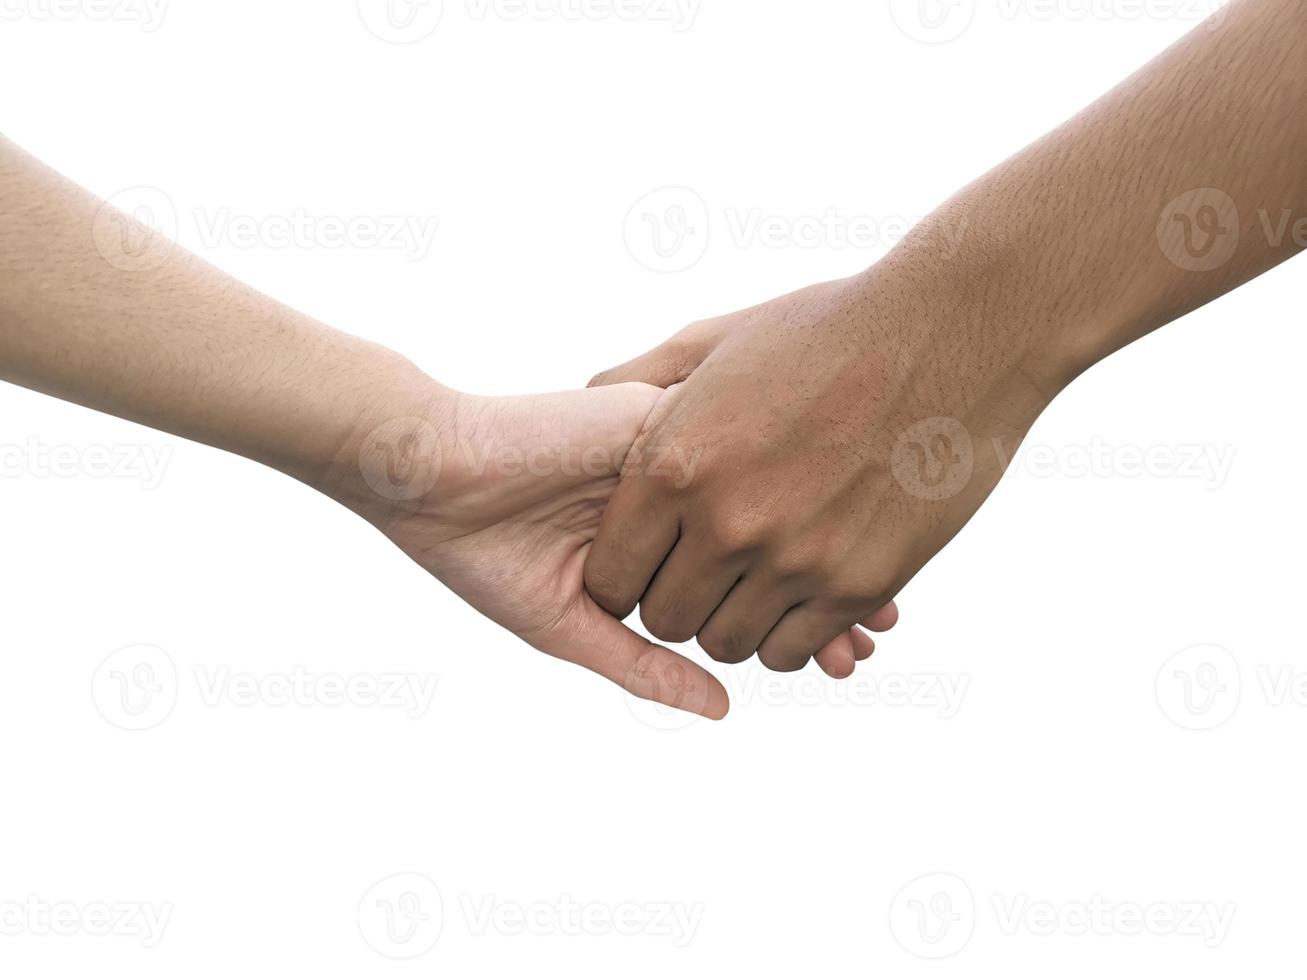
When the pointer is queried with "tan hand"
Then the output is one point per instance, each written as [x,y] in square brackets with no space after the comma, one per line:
[834,457]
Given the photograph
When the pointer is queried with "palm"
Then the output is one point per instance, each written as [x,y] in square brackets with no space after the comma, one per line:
[511,521]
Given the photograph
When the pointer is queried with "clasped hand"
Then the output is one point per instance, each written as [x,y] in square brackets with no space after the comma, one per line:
[746,483]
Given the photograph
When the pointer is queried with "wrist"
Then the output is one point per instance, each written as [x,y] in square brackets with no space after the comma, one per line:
[390,428]
[1014,299]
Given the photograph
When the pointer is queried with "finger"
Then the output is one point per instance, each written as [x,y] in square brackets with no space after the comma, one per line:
[863,645]
[738,626]
[659,367]
[670,362]
[634,538]
[883,618]
[686,590]
[589,637]
[837,658]
[801,632]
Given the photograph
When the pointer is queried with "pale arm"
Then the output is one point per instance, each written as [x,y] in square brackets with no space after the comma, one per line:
[95,310]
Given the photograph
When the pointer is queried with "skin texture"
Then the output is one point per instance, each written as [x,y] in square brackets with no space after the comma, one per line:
[523,483]
[499,498]
[810,510]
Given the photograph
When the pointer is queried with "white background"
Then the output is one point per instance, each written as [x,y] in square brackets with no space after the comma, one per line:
[1045,758]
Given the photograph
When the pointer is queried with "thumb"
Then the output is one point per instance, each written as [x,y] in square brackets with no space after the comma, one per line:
[591,638]
[672,361]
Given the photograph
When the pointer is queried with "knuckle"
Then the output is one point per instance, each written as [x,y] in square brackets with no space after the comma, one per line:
[665,621]
[700,336]
[726,646]
[681,359]
[876,588]
[856,592]
[845,598]
[784,661]
[796,563]
[606,589]
[658,465]
[735,534]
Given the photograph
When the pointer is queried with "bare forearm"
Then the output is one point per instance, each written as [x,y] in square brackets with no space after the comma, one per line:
[951,347]
[1182,183]
[95,311]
